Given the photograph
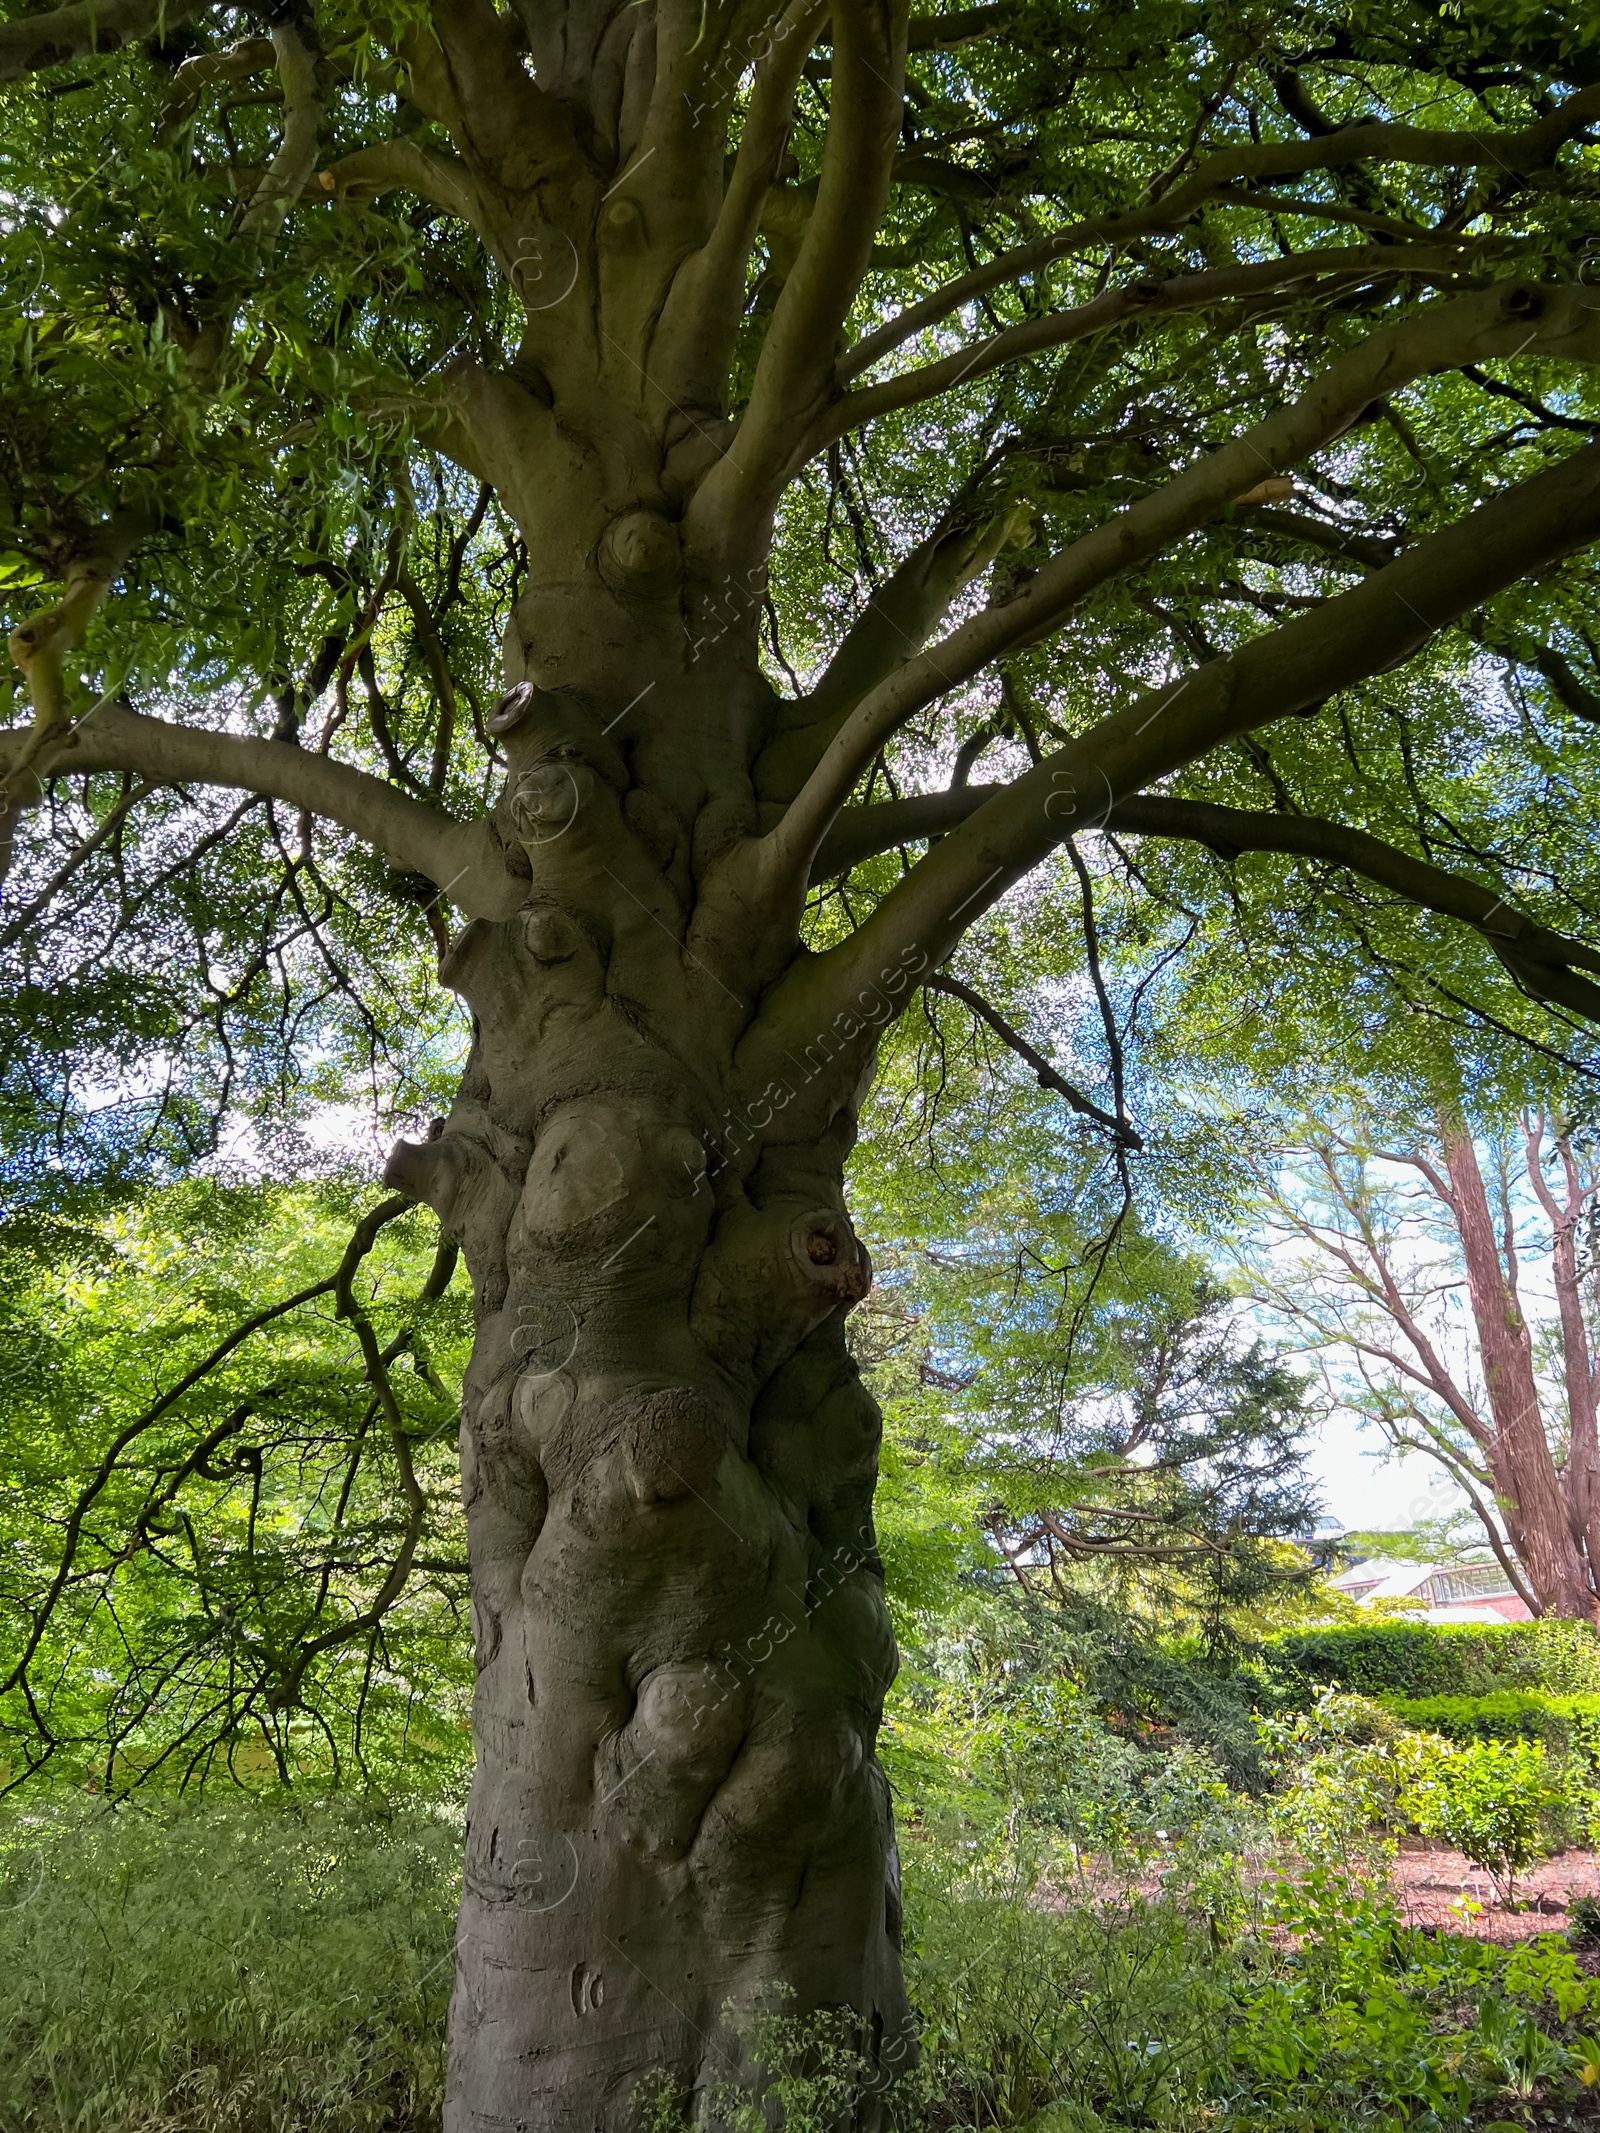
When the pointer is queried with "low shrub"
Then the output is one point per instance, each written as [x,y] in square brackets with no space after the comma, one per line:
[1563,1725]
[1415,1659]
[1491,1799]
[1501,1714]
[1353,1778]
[1567,1728]
[1319,2009]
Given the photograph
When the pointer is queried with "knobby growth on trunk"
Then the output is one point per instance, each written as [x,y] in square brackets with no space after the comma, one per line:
[630,281]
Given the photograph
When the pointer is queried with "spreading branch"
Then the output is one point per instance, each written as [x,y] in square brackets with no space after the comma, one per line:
[1504,320]
[1140,302]
[465,859]
[1518,149]
[34,42]
[701,320]
[1548,964]
[1375,625]
[1047,1076]
[794,373]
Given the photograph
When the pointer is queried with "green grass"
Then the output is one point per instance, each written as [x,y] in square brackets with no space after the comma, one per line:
[232,1968]
[243,1967]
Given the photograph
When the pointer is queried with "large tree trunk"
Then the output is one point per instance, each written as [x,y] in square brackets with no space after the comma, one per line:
[1534,1504]
[1582,1476]
[668,1462]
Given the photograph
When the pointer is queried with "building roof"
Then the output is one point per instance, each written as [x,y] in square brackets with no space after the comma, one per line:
[1453,1587]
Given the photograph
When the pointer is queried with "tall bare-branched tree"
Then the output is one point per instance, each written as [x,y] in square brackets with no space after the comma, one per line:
[1198,398]
[1375,1252]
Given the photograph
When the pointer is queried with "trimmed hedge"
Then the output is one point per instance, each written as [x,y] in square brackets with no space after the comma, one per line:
[1561,1723]
[1454,1659]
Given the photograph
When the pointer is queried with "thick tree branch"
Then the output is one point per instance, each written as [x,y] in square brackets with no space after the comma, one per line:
[38,647]
[499,117]
[282,183]
[700,323]
[237,62]
[1138,300]
[286,176]
[401,165]
[1547,963]
[36,41]
[1344,544]
[861,832]
[1528,148]
[794,373]
[1508,319]
[1375,625]
[465,859]
[894,626]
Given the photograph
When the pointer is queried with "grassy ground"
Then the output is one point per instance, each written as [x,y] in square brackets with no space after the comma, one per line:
[227,1969]
[243,1968]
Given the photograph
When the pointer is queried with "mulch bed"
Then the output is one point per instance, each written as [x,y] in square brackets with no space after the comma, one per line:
[1436,1888]
[1439,1888]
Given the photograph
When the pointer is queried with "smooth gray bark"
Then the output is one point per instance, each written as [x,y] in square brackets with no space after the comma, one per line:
[668,1460]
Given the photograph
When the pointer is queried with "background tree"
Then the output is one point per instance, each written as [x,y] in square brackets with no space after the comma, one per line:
[226,1552]
[1132,1448]
[1374,1251]
[810,404]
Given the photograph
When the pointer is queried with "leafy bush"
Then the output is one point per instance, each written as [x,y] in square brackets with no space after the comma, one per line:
[1353,1776]
[1490,1799]
[1319,2010]
[1566,1727]
[229,1968]
[1416,1659]
[1559,1723]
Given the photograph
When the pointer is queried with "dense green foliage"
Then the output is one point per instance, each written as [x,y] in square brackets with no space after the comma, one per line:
[1560,1722]
[1447,1658]
[253,1967]
[198,1565]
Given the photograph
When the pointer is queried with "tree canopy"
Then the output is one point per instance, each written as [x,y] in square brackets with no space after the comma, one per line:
[692,526]
[1186,322]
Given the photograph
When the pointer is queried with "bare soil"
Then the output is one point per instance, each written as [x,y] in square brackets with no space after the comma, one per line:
[1439,1888]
